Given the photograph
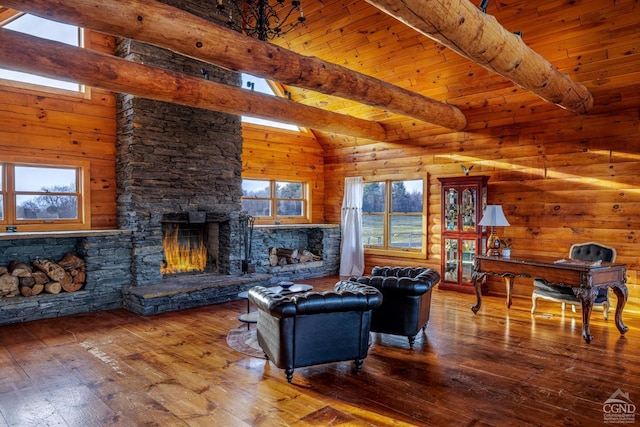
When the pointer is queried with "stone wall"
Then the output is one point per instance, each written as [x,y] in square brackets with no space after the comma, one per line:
[175,159]
[321,239]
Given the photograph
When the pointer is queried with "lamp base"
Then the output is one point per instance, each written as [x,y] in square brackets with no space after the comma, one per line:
[493,243]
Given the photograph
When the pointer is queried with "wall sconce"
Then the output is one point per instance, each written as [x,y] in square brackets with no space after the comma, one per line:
[493,217]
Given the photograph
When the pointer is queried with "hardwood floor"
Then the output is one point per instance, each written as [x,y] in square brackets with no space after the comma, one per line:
[496,368]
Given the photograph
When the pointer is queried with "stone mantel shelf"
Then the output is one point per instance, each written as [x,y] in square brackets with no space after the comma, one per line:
[60,234]
[294,226]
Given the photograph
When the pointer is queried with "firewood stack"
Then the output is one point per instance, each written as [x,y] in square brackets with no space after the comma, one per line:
[283,256]
[43,275]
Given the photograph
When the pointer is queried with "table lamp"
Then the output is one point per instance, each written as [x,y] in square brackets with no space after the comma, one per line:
[493,217]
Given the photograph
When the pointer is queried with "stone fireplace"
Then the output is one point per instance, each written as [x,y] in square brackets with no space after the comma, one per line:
[177,165]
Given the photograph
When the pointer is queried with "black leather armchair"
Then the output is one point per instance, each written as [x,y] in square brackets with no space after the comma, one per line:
[590,251]
[406,303]
[315,327]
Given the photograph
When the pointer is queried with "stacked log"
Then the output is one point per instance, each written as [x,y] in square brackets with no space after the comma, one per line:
[284,256]
[42,275]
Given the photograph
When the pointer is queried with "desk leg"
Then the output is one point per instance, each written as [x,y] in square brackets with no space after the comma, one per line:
[508,281]
[476,279]
[622,293]
[586,296]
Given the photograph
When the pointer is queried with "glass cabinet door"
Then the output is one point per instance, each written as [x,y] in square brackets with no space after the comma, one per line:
[451,260]
[451,210]
[469,206]
[468,252]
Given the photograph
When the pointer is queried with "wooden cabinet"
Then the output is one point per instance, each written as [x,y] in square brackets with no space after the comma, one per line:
[463,202]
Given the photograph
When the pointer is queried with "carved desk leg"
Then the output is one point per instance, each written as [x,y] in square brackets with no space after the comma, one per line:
[586,296]
[622,293]
[508,281]
[476,279]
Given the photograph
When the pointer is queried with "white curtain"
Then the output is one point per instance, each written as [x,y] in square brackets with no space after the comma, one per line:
[352,249]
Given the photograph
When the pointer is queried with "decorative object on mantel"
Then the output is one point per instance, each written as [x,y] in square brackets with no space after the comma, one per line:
[43,275]
[493,217]
[260,18]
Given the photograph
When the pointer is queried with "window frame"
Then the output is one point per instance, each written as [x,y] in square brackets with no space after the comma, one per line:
[273,202]
[387,215]
[83,91]
[8,191]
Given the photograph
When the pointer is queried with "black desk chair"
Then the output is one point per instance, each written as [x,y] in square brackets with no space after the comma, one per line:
[590,251]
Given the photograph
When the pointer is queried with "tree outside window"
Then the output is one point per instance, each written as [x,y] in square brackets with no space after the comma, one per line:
[42,196]
[270,199]
[393,215]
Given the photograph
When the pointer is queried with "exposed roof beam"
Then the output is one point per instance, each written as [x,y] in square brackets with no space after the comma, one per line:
[462,27]
[21,52]
[165,26]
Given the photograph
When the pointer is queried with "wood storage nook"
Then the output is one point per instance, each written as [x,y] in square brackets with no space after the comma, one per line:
[42,275]
[284,256]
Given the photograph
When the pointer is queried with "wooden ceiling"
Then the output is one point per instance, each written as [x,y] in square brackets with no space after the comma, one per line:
[595,42]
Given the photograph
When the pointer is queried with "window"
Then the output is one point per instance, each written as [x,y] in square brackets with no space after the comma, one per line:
[270,199]
[43,197]
[393,216]
[43,28]
[261,85]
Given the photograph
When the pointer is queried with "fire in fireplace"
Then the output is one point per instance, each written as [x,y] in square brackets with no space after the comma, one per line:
[191,243]
[184,248]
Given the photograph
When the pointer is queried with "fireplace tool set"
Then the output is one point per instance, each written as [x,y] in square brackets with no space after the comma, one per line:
[246,222]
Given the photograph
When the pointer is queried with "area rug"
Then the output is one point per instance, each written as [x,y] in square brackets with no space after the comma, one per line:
[245,341]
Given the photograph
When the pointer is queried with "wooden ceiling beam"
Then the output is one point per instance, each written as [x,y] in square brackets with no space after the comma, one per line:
[462,27]
[21,52]
[171,28]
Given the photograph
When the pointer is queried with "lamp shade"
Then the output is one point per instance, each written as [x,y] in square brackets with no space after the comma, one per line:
[494,217]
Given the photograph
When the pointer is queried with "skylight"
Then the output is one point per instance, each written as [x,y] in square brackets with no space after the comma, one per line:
[258,84]
[35,26]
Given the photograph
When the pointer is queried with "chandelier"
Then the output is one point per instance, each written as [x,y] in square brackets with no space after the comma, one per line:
[260,18]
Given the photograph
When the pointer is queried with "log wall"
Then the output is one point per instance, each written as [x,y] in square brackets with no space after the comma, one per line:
[269,153]
[560,181]
[47,124]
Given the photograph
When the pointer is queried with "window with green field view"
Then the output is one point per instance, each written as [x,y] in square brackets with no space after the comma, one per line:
[393,215]
[270,199]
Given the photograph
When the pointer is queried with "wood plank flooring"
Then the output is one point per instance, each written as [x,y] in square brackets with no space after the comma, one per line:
[500,367]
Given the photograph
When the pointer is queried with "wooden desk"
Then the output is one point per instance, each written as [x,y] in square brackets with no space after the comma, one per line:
[584,278]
